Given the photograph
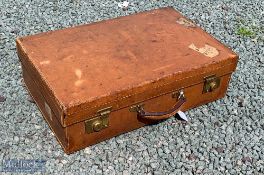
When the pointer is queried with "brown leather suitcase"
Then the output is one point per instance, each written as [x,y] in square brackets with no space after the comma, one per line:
[96,81]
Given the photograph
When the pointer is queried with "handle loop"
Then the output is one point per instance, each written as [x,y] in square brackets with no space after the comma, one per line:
[162,115]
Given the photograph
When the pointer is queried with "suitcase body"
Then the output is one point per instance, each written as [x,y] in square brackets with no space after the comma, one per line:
[96,81]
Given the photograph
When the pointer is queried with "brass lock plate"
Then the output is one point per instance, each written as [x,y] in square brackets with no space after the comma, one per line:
[211,83]
[101,121]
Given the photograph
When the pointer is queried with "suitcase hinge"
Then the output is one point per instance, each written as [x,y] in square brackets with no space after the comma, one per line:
[101,121]
[211,83]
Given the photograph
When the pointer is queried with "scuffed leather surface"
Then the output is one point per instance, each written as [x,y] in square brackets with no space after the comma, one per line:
[89,65]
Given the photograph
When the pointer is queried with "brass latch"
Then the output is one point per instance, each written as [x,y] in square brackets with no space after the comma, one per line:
[211,83]
[98,123]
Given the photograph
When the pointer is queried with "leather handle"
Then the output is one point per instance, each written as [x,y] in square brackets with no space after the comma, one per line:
[161,115]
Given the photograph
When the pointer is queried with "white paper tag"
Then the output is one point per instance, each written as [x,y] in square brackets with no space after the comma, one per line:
[182,115]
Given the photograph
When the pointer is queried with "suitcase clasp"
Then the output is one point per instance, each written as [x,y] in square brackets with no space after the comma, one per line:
[211,83]
[101,121]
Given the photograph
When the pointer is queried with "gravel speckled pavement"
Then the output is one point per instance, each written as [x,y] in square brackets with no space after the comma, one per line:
[223,137]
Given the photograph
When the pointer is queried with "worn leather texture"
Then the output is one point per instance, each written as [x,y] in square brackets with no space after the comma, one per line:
[141,58]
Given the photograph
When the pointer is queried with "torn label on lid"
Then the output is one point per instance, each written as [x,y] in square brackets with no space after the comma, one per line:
[207,50]
[182,115]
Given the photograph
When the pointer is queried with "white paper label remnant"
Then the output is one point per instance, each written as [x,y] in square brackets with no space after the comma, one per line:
[185,22]
[48,110]
[207,50]
[183,116]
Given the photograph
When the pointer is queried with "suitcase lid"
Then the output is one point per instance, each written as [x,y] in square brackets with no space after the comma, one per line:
[119,62]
